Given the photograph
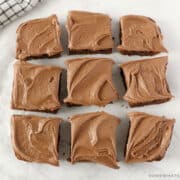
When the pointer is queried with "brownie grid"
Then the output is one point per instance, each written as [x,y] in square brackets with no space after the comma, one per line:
[111,162]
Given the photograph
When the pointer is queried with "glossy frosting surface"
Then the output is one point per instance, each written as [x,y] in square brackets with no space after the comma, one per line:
[36,87]
[39,37]
[93,138]
[146,81]
[140,33]
[89,31]
[89,82]
[149,137]
[35,138]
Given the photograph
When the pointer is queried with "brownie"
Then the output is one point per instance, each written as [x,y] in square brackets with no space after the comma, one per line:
[89,33]
[149,137]
[36,87]
[35,139]
[39,38]
[89,82]
[93,138]
[140,35]
[145,81]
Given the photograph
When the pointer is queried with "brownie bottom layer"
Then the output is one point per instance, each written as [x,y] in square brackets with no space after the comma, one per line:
[156,101]
[105,51]
[78,105]
[34,110]
[140,53]
[40,56]
[73,105]
[123,78]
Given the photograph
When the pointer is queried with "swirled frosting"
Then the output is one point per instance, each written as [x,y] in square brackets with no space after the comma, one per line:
[146,81]
[35,139]
[149,137]
[39,37]
[36,87]
[93,138]
[89,31]
[89,82]
[140,34]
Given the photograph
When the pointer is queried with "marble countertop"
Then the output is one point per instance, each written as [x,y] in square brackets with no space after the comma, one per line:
[167,15]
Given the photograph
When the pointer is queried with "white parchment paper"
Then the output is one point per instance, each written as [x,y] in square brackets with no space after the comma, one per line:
[167,15]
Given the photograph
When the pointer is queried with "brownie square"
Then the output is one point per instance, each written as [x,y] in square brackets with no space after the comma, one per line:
[39,38]
[36,87]
[89,33]
[93,138]
[89,82]
[35,139]
[140,35]
[146,82]
[149,137]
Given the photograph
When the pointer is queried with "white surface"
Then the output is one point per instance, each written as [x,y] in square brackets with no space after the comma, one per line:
[167,15]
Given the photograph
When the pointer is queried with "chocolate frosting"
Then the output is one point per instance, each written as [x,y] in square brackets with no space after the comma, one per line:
[89,81]
[35,139]
[93,138]
[140,33]
[146,81]
[149,137]
[36,87]
[39,37]
[89,31]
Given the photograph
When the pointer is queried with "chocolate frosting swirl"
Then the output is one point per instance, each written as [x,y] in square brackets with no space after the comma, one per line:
[146,81]
[93,138]
[35,138]
[140,33]
[39,37]
[89,81]
[149,137]
[36,87]
[89,31]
